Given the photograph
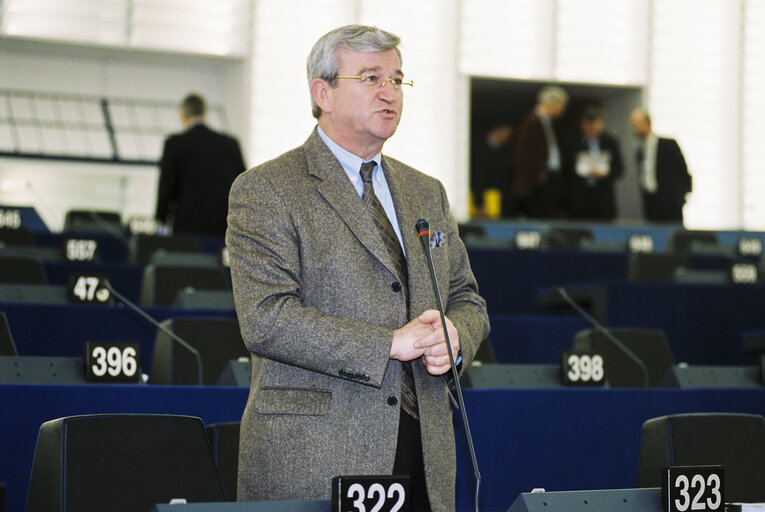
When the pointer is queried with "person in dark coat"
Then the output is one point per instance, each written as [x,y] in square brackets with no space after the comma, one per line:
[593,165]
[197,169]
[662,172]
[538,164]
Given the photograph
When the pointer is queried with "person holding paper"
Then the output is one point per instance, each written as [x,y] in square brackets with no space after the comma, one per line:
[594,164]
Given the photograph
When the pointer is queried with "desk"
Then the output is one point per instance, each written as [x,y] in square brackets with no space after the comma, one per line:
[508,279]
[26,407]
[702,322]
[61,329]
[530,339]
[560,439]
[570,439]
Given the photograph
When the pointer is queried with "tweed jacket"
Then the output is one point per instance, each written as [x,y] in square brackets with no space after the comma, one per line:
[317,300]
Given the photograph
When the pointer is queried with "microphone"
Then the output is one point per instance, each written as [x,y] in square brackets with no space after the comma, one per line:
[423,232]
[605,332]
[148,318]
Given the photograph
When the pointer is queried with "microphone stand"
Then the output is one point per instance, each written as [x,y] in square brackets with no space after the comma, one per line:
[422,227]
[610,337]
[148,318]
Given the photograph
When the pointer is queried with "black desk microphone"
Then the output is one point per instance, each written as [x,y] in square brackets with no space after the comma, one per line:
[423,232]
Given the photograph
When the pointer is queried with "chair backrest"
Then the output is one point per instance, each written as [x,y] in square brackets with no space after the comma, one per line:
[21,270]
[121,462]
[218,341]
[224,441]
[7,346]
[681,242]
[21,236]
[649,345]
[162,283]
[654,267]
[93,221]
[564,238]
[142,247]
[736,441]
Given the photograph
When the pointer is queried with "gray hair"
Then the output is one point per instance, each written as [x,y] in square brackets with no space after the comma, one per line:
[193,105]
[322,61]
[552,94]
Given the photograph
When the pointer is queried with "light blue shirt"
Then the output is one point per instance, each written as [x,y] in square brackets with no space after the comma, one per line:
[352,165]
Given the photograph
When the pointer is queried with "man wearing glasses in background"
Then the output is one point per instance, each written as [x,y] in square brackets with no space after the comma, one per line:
[334,296]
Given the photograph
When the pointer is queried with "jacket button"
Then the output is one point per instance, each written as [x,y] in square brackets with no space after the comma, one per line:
[392,400]
[396,287]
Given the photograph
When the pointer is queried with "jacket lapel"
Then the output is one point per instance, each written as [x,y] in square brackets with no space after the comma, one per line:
[340,193]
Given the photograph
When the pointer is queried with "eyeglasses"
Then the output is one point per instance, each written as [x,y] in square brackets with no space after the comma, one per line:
[373,80]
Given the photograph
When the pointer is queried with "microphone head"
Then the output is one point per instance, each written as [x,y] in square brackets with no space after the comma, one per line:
[422,225]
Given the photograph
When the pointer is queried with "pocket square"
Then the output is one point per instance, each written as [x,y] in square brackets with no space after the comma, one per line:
[437,239]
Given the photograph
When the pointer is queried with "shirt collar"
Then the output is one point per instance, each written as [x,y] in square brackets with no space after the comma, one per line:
[351,163]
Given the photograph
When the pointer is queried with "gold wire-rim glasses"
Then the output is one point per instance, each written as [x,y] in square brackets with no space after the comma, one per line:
[396,83]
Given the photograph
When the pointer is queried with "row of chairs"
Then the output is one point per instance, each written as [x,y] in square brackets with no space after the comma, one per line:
[582,238]
[131,462]
[218,341]
[171,279]
[139,248]
[655,365]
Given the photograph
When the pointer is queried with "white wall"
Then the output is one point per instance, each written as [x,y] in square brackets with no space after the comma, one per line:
[699,62]
[55,187]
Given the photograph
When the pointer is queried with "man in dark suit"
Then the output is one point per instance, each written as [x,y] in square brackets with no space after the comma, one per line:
[334,296]
[197,169]
[662,172]
[593,164]
[537,181]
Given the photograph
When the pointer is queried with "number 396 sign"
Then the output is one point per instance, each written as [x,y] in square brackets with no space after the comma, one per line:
[693,488]
[112,362]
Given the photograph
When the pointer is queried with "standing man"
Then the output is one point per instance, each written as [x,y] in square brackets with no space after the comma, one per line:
[662,172]
[538,160]
[197,169]
[333,292]
[595,163]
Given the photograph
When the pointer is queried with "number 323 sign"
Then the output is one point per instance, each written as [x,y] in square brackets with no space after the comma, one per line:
[693,488]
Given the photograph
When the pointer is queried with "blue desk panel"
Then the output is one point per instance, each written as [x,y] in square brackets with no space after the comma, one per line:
[529,339]
[569,439]
[125,278]
[703,323]
[25,408]
[558,439]
[62,329]
[508,279]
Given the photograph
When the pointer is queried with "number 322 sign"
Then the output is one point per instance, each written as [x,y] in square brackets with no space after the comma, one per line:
[382,493]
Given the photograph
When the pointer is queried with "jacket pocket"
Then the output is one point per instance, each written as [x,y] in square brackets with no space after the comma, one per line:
[312,402]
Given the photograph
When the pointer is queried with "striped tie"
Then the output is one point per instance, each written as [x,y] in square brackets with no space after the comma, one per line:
[390,239]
